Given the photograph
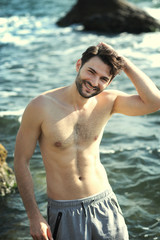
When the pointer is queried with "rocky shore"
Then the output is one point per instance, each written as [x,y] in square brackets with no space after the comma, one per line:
[7,177]
[110,16]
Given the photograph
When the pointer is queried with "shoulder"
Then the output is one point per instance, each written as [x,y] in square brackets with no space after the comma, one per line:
[37,107]
[43,103]
[49,97]
[44,99]
[108,98]
[110,95]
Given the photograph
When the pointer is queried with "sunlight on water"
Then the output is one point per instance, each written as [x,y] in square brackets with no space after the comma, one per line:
[8,38]
[151,41]
[6,94]
[37,55]
[23,30]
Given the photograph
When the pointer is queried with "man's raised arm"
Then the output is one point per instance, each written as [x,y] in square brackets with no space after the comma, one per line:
[146,101]
[148,98]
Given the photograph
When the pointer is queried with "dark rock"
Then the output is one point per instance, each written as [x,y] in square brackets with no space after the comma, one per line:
[7,177]
[110,16]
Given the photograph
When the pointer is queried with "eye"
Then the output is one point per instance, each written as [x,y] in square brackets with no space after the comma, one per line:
[91,71]
[106,80]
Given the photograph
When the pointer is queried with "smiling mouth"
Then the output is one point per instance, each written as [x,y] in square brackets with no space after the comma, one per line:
[89,86]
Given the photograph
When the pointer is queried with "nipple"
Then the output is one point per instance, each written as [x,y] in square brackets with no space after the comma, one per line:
[95,138]
[58,144]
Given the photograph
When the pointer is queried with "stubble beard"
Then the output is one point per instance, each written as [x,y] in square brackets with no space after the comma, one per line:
[79,84]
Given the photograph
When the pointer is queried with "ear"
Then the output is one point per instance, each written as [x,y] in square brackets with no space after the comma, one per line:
[78,65]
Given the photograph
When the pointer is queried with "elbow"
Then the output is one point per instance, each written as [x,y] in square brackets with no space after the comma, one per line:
[156,104]
[154,107]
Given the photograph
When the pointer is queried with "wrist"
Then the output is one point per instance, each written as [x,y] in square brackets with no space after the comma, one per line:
[127,63]
[34,216]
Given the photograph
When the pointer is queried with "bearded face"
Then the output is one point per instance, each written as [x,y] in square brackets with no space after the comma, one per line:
[93,77]
[85,87]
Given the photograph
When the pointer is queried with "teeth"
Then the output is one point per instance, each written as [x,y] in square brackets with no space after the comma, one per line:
[89,87]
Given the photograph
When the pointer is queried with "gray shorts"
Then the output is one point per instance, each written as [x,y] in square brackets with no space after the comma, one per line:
[97,217]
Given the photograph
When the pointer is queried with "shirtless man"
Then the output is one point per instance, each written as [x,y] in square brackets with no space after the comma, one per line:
[68,122]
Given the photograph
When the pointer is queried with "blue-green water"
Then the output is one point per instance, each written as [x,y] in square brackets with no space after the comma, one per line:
[36,55]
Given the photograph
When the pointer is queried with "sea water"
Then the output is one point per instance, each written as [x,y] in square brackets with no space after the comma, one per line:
[36,55]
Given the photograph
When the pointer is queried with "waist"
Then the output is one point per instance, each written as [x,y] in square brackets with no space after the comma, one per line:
[76,202]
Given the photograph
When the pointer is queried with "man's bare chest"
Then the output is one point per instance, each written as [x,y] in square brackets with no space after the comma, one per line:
[65,130]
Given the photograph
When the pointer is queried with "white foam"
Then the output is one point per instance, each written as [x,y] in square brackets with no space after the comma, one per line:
[154,12]
[6,94]
[12,113]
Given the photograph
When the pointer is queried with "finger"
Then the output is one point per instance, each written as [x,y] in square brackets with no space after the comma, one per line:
[49,234]
[34,237]
[99,44]
[104,45]
[44,237]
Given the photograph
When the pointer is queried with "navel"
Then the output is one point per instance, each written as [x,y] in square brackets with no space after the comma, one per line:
[58,144]
[95,138]
[80,178]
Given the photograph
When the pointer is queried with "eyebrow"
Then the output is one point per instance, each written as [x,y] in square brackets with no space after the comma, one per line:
[104,77]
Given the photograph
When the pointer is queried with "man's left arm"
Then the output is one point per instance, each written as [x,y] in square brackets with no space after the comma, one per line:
[146,101]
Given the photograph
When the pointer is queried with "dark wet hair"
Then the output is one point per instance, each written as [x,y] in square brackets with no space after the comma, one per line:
[107,55]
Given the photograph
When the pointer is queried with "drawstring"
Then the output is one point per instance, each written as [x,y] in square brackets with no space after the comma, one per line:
[84,210]
[94,213]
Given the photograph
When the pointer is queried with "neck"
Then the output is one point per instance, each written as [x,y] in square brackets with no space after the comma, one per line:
[76,99]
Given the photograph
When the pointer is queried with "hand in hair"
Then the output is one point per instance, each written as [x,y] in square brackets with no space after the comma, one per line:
[106,46]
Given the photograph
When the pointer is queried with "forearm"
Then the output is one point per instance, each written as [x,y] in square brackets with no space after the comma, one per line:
[146,89]
[26,189]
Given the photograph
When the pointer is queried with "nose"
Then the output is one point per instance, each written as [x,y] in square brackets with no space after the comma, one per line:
[94,81]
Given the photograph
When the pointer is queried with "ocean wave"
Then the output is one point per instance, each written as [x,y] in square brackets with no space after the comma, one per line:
[154,12]
[12,113]
[37,55]
[6,94]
